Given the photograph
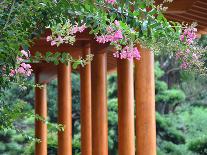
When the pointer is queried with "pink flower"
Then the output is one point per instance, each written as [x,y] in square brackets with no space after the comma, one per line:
[82,28]
[49,38]
[110,1]
[60,39]
[123,55]
[74,29]
[136,54]
[182,37]
[130,56]
[189,34]
[21,70]
[12,72]
[116,54]
[25,66]
[116,22]
[19,59]
[101,39]
[195,57]
[187,51]
[128,53]
[118,35]
[24,53]
[29,72]
[53,43]
[77,28]
[184,65]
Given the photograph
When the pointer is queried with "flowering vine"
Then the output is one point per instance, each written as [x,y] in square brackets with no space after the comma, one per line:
[122,24]
[191,56]
[23,68]
[64,33]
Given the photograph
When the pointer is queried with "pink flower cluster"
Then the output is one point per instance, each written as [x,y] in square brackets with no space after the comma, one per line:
[23,69]
[77,28]
[112,35]
[64,39]
[187,58]
[189,35]
[117,35]
[55,41]
[128,53]
[110,1]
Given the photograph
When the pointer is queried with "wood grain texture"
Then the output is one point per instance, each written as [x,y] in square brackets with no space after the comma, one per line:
[41,110]
[145,104]
[64,110]
[126,129]
[99,105]
[86,114]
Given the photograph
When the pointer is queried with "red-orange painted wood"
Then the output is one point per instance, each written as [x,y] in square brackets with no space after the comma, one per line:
[99,105]
[145,104]
[64,110]
[86,123]
[126,129]
[41,110]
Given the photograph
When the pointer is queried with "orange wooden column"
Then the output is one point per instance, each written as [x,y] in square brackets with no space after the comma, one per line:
[145,104]
[64,110]
[126,132]
[99,105]
[41,110]
[86,124]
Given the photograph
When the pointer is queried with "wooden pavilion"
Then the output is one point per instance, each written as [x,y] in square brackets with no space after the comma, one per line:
[135,85]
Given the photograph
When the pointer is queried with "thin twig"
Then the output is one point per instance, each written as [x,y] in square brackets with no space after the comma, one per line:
[9,15]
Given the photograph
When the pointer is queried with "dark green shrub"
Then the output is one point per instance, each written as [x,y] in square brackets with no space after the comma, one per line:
[199,145]
[167,131]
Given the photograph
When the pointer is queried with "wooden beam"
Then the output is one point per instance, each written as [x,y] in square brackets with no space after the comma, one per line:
[99,105]
[64,110]
[180,18]
[86,123]
[145,104]
[46,71]
[177,6]
[41,110]
[126,132]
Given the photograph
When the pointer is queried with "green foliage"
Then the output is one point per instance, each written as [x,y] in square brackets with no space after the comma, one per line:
[167,131]
[171,96]
[113,125]
[112,86]
[76,144]
[199,145]
[166,99]
[112,114]
[188,121]
[63,57]
[169,148]
[158,71]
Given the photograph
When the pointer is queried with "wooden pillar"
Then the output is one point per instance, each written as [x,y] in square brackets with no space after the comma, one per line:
[86,124]
[64,110]
[126,132]
[99,105]
[145,104]
[41,110]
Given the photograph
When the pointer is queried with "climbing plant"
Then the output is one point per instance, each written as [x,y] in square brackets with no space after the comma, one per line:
[123,24]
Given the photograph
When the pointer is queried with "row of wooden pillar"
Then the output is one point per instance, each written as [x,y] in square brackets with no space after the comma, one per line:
[94,126]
